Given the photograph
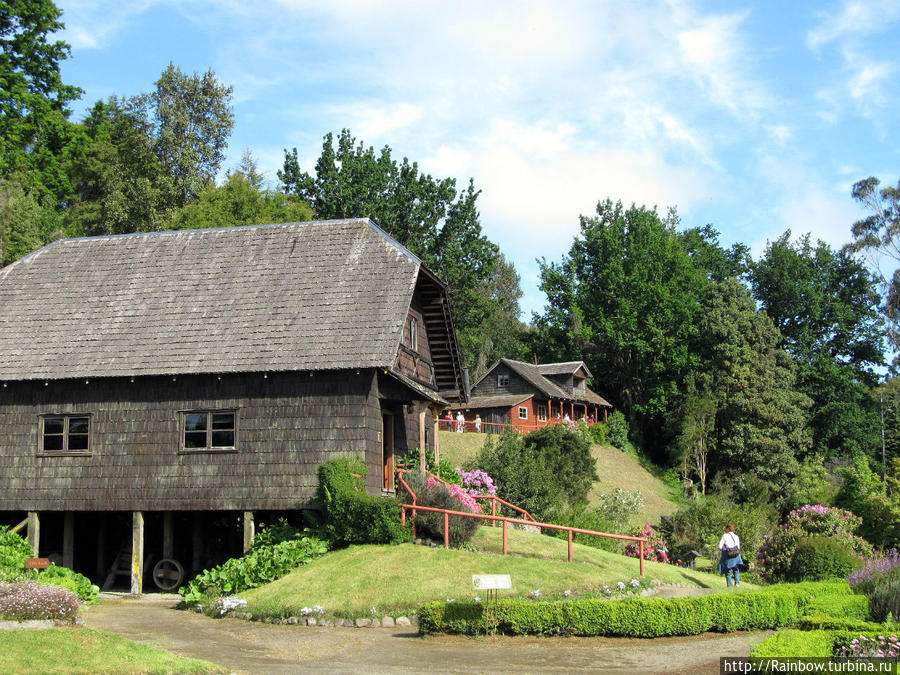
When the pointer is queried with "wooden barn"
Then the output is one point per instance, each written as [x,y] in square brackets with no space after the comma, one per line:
[530,396]
[163,392]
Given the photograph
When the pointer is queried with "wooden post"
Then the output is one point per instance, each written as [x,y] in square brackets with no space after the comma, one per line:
[168,536]
[641,553]
[249,530]
[101,545]
[422,447]
[570,545]
[437,427]
[34,532]
[137,553]
[505,523]
[605,419]
[573,411]
[197,541]
[493,512]
[446,530]
[68,540]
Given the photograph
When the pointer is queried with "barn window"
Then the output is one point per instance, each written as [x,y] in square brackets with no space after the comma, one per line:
[523,413]
[503,380]
[208,430]
[542,412]
[65,433]
[413,327]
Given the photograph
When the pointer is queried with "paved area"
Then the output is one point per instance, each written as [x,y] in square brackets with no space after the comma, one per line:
[250,647]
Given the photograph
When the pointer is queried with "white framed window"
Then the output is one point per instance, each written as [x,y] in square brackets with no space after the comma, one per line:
[523,413]
[541,412]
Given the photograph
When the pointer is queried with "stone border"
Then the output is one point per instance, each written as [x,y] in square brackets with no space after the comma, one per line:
[383,622]
[36,624]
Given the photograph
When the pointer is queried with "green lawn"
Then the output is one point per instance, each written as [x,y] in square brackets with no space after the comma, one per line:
[397,579]
[88,650]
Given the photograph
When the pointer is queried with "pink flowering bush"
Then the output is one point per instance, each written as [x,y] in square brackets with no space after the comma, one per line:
[655,549]
[26,600]
[881,647]
[438,495]
[776,553]
[477,482]
[873,571]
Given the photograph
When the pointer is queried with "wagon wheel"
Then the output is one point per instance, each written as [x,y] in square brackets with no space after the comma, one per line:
[168,574]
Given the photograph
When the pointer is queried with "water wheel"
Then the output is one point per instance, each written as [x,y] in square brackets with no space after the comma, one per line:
[168,574]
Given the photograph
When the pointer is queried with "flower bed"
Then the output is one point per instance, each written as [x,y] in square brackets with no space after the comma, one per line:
[26,601]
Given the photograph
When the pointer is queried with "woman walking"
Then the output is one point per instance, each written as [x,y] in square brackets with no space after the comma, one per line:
[730,561]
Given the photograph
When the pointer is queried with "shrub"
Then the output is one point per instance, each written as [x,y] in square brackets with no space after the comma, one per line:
[14,550]
[880,646]
[654,549]
[569,457]
[477,482]
[632,617]
[260,566]
[699,526]
[586,519]
[596,432]
[794,643]
[818,558]
[884,600]
[275,533]
[63,577]
[351,515]
[26,600]
[437,495]
[777,551]
[618,430]
[873,570]
[443,469]
[619,506]
[842,606]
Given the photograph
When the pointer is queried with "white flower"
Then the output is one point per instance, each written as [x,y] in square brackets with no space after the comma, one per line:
[536,593]
[306,611]
[477,599]
[621,585]
[606,590]
[318,609]
[635,583]
[373,611]
[567,593]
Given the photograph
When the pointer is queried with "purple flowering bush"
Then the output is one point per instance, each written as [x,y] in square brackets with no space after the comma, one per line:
[27,600]
[477,482]
[873,571]
[883,646]
[777,550]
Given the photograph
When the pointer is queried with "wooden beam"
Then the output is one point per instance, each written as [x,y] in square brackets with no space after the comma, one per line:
[197,541]
[422,447]
[34,532]
[249,530]
[168,536]
[137,553]
[437,425]
[68,540]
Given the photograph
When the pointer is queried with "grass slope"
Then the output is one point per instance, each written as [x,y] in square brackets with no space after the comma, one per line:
[397,579]
[88,650]
[614,468]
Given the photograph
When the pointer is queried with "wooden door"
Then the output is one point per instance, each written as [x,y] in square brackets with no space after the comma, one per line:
[387,445]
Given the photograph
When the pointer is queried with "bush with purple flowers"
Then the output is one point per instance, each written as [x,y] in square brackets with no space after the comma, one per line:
[477,482]
[778,549]
[26,600]
[873,571]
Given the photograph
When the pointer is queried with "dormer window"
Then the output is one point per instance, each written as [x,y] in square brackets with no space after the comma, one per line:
[503,380]
[412,325]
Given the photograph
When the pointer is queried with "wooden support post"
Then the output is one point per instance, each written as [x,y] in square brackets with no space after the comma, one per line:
[137,553]
[34,532]
[573,411]
[422,447]
[505,523]
[68,540]
[168,536]
[249,530]
[493,512]
[641,554]
[437,427]
[605,416]
[446,530]
[570,545]
[196,541]
[101,545]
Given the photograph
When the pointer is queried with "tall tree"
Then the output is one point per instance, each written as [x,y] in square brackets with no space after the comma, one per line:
[428,215]
[760,424]
[825,308]
[626,299]
[193,119]
[33,98]
[878,235]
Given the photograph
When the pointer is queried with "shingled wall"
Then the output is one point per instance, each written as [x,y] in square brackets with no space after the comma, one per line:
[288,424]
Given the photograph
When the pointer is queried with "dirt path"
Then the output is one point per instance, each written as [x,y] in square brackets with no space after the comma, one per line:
[247,647]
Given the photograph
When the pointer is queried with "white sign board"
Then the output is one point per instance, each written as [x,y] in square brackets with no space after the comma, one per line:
[491,582]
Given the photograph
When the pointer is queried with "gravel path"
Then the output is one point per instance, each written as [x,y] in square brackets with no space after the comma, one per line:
[250,647]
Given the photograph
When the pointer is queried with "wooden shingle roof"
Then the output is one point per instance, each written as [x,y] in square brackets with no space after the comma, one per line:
[296,296]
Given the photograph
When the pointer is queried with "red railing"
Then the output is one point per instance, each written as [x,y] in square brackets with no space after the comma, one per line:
[572,531]
[495,500]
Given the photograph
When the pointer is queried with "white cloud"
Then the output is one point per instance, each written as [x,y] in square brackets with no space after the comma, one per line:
[855,19]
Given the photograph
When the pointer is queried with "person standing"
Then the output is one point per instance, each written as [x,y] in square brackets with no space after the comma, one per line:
[460,422]
[478,423]
[730,560]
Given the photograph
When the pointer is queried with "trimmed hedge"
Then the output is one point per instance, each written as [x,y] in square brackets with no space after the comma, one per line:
[802,643]
[633,617]
[351,515]
[841,606]
[818,621]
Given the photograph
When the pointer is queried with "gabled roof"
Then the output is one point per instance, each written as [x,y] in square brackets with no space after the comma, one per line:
[294,296]
[501,401]
[534,375]
[564,368]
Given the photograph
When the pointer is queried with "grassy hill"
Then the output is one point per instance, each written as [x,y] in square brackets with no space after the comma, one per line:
[614,468]
[397,579]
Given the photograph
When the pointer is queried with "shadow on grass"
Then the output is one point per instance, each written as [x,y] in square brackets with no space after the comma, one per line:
[697,581]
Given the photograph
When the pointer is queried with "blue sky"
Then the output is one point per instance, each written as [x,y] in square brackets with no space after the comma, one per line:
[754,117]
